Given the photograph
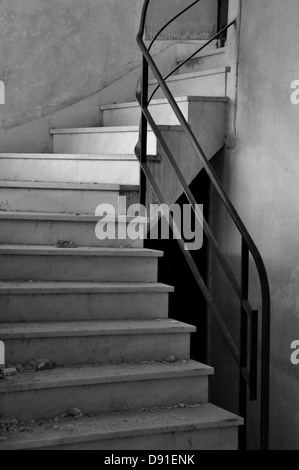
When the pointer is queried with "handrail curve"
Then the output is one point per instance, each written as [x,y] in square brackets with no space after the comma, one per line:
[248,376]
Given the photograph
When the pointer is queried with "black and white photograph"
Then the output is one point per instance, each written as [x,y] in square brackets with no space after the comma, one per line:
[149,228]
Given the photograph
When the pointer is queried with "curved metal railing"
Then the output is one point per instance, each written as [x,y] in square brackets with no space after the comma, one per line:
[247,358]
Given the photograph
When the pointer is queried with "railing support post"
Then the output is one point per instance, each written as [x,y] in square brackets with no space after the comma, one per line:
[243,345]
[143,131]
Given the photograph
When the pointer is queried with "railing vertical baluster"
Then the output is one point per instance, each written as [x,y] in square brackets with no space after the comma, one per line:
[253,354]
[243,344]
[143,132]
[265,372]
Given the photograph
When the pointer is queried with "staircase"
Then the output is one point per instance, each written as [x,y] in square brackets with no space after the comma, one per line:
[120,375]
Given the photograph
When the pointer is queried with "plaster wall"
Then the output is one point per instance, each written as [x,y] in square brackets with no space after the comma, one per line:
[260,172]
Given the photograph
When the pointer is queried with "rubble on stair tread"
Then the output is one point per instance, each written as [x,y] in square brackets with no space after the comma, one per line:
[8,371]
[47,366]
[65,244]
[69,420]
[34,365]
[27,377]
[40,364]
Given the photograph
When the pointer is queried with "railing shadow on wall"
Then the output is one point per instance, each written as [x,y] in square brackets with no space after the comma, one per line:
[246,357]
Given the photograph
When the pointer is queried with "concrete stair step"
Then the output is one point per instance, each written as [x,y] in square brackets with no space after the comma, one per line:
[186,48]
[75,301]
[205,60]
[105,140]
[96,341]
[43,228]
[100,264]
[103,388]
[101,169]
[211,82]
[129,113]
[72,198]
[194,428]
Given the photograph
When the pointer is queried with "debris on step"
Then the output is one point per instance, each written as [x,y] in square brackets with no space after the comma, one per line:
[65,244]
[19,368]
[170,359]
[39,365]
[30,421]
[8,372]
[45,364]
[8,420]
[2,428]
[75,413]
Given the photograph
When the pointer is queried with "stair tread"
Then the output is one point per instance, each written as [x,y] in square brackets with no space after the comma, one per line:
[122,425]
[68,186]
[91,328]
[55,216]
[179,99]
[202,73]
[78,251]
[104,373]
[20,288]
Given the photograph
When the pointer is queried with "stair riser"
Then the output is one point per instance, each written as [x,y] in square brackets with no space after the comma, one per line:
[43,232]
[186,49]
[190,440]
[99,349]
[77,307]
[102,143]
[102,398]
[55,200]
[208,120]
[162,114]
[78,268]
[208,85]
[200,64]
[71,171]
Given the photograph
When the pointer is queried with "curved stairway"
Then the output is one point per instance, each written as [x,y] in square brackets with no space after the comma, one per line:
[95,308]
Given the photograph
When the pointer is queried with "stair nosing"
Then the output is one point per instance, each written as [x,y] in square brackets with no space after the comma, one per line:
[109,374]
[91,130]
[121,427]
[44,250]
[55,288]
[75,329]
[67,186]
[66,156]
[117,129]
[66,217]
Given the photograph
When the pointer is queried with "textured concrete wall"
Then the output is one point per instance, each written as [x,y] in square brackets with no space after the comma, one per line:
[200,22]
[261,176]
[53,53]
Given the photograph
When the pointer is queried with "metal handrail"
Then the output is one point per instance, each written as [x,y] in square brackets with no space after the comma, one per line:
[248,375]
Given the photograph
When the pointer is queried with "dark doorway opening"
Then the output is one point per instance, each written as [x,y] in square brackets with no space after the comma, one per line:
[187,303]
